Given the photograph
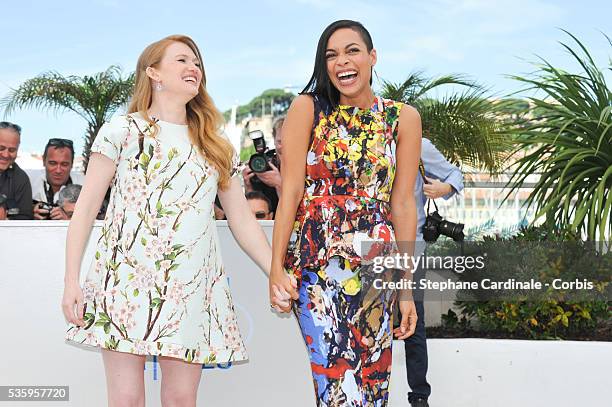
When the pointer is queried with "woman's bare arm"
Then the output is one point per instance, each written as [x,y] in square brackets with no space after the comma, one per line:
[100,173]
[246,229]
[403,205]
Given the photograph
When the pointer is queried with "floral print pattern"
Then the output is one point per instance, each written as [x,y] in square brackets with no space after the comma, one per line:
[157,284]
[345,323]
[348,335]
[350,170]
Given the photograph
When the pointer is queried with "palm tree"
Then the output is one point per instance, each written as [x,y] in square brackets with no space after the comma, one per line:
[569,142]
[465,126]
[94,98]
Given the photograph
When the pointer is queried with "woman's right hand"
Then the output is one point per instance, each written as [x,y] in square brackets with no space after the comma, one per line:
[73,303]
[282,290]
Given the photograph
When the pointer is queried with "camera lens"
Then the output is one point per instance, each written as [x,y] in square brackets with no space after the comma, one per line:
[258,163]
[452,230]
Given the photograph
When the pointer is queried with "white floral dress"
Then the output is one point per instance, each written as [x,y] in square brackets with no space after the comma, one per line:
[157,284]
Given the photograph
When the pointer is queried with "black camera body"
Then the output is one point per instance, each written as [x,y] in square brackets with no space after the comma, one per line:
[9,205]
[435,225]
[261,159]
[46,206]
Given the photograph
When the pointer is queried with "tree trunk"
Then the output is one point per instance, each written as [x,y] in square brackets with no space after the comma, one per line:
[90,136]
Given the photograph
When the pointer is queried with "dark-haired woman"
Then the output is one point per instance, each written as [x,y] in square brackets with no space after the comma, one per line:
[349,170]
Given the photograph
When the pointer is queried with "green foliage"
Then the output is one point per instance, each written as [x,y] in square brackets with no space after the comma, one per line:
[553,315]
[94,98]
[568,140]
[246,153]
[465,126]
[278,98]
[538,320]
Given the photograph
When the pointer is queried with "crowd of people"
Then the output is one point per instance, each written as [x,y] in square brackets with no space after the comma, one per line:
[50,196]
[53,195]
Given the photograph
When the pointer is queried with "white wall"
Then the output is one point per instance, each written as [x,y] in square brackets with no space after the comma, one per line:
[463,373]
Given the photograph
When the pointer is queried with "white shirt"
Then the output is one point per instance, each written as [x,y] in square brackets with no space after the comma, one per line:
[40,185]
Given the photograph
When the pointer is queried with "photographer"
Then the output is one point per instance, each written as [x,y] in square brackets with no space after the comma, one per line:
[260,205]
[15,189]
[58,158]
[268,182]
[443,181]
[67,199]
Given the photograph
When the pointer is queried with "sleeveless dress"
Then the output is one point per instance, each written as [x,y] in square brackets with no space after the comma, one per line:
[157,284]
[345,323]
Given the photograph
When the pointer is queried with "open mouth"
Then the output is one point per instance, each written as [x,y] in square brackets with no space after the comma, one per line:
[191,79]
[347,77]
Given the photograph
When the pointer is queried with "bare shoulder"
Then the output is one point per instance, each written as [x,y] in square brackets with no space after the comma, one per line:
[409,123]
[302,103]
[410,114]
[301,113]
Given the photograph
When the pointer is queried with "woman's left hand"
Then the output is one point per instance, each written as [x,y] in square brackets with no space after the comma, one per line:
[409,320]
[283,290]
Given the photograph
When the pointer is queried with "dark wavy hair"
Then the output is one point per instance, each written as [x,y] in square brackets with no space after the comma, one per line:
[319,84]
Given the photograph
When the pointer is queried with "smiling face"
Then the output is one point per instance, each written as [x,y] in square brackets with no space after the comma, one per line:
[58,163]
[179,71]
[349,63]
[9,146]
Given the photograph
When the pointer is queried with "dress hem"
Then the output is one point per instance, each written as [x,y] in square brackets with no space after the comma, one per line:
[149,348]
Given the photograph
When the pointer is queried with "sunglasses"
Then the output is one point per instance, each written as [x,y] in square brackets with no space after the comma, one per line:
[261,215]
[60,142]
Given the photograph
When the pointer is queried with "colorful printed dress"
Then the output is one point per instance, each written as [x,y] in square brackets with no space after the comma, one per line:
[346,324]
[157,284]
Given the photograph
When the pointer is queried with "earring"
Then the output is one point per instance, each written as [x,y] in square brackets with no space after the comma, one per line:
[158,86]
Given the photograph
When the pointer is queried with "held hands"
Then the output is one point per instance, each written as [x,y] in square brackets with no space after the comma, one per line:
[436,188]
[282,290]
[409,320]
[73,303]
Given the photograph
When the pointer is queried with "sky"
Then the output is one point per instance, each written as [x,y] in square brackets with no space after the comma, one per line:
[251,46]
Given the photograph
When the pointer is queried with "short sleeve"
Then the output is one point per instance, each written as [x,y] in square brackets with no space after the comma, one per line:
[110,137]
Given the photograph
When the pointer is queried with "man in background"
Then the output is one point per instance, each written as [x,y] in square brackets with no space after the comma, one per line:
[260,205]
[67,200]
[270,181]
[58,158]
[441,180]
[15,188]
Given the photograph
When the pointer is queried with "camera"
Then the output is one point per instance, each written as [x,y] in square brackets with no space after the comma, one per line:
[435,225]
[261,159]
[46,206]
[9,205]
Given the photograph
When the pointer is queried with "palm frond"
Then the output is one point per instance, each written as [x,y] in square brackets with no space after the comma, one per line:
[94,98]
[569,141]
[465,126]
